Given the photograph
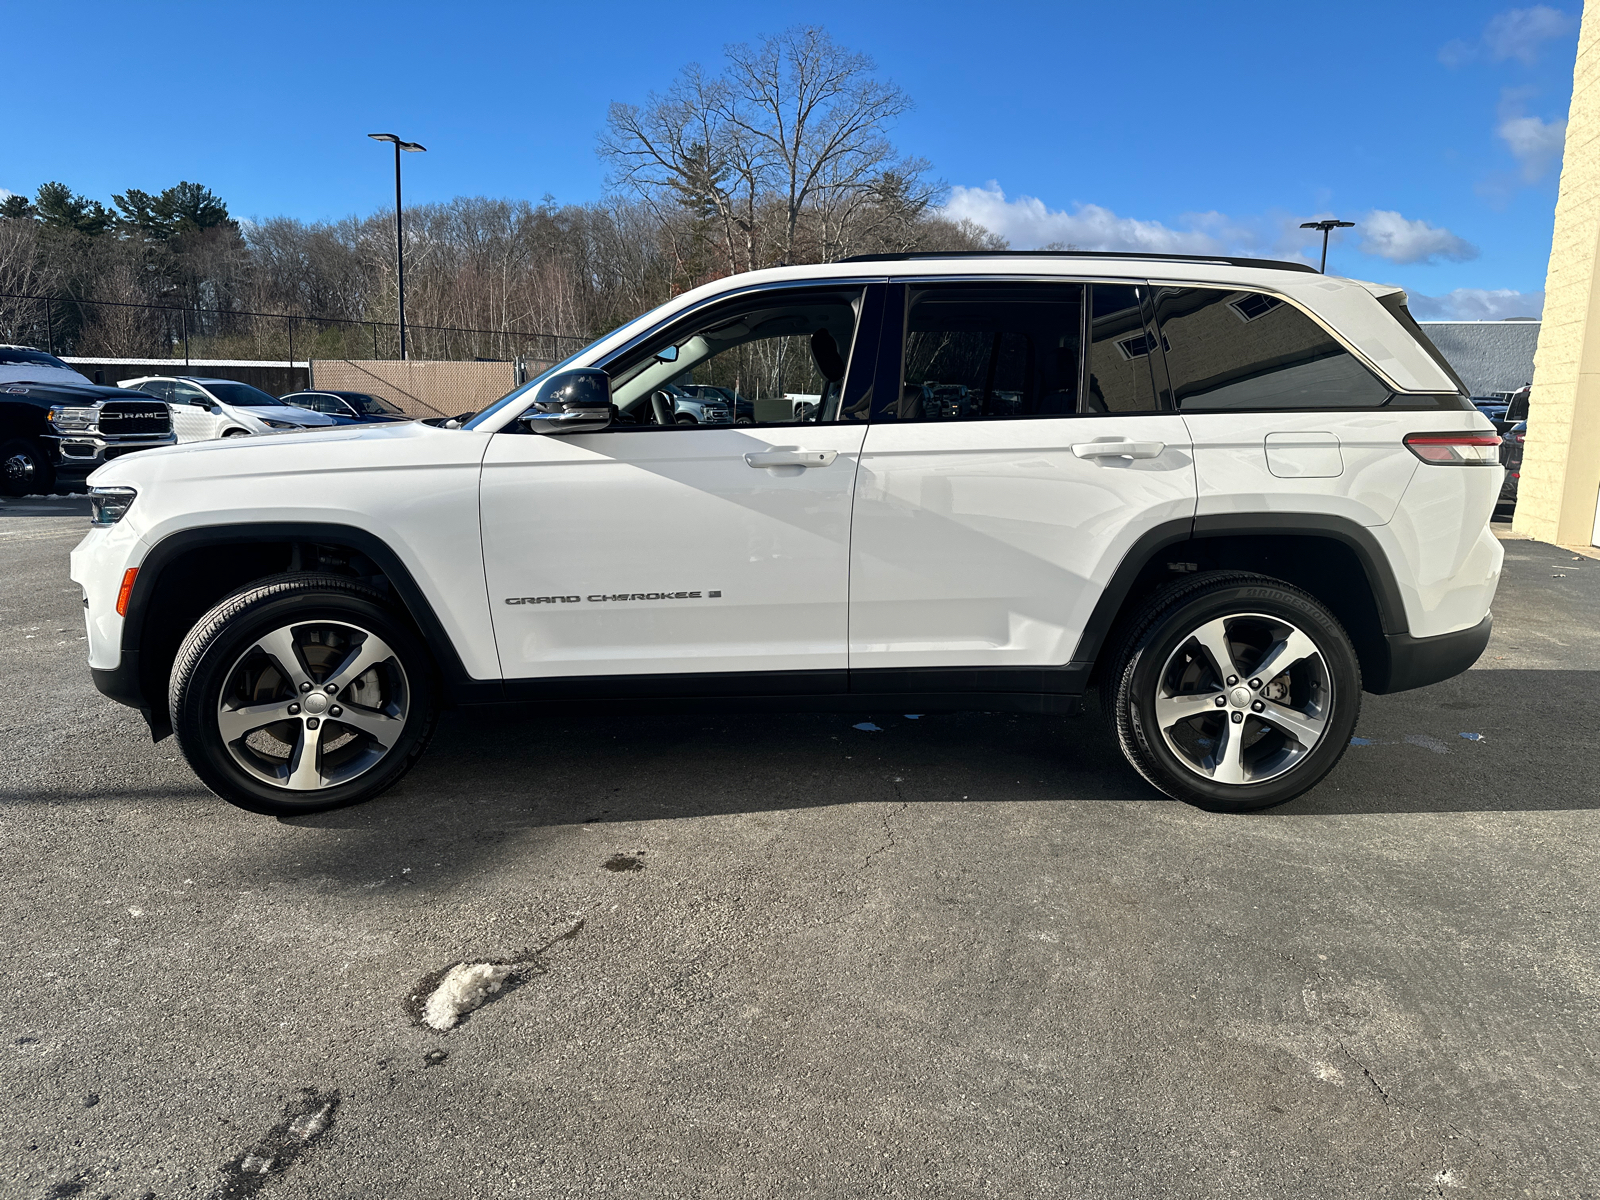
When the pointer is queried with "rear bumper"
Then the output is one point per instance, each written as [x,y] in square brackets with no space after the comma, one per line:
[1416,662]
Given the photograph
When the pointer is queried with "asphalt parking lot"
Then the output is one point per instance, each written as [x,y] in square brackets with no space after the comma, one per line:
[957,955]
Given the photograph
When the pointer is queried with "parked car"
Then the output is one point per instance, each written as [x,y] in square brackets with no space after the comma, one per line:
[1512,442]
[1232,496]
[203,409]
[1505,409]
[24,364]
[347,408]
[744,411]
[54,433]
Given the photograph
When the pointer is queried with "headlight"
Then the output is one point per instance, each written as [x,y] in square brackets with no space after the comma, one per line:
[108,505]
[279,424]
[72,419]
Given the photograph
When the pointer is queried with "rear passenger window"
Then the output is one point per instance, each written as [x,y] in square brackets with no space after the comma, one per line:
[989,351]
[1246,350]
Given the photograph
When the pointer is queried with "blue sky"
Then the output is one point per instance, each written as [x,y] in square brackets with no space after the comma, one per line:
[1166,126]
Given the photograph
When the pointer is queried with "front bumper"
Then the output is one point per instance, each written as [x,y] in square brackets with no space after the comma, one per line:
[82,453]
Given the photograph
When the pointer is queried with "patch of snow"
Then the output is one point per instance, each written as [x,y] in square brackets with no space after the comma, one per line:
[465,987]
[867,727]
[307,1126]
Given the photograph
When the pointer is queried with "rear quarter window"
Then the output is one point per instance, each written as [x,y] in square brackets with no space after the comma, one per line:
[1231,351]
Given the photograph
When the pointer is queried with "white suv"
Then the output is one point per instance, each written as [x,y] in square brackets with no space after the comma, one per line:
[1229,494]
[203,409]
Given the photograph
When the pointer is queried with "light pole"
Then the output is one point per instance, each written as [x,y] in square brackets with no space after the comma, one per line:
[1326,227]
[399,240]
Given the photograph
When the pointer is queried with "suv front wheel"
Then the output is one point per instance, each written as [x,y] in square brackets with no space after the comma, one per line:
[301,693]
[1233,691]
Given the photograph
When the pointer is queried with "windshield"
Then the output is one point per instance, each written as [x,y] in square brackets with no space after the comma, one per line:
[482,415]
[370,406]
[242,395]
[16,356]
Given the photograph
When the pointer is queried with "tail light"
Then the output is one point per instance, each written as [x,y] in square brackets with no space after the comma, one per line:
[1455,449]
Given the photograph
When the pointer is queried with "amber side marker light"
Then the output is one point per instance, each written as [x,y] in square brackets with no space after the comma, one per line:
[1455,449]
[126,590]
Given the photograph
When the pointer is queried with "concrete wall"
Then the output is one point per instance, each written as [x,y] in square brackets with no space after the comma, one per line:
[1560,485]
[422,389]
[1490,356]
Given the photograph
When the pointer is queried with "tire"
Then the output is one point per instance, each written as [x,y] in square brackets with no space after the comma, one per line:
[25,468]
[227,433]
[1270,738]
[253,754]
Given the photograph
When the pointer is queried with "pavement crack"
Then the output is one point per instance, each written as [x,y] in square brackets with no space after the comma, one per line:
[305,1120]
[1371,1078]
[888,832]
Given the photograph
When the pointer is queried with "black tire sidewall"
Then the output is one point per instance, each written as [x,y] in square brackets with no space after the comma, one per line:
[1139,686]
[193,715]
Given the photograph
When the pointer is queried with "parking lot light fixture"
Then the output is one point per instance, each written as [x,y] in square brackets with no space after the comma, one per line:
[399,240]
[1327,227]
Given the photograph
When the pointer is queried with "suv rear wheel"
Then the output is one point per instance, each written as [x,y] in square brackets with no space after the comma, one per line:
[1234,691]
[301,693]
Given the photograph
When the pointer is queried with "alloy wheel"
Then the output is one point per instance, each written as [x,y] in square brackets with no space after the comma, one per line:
[1244,698]
[313,705]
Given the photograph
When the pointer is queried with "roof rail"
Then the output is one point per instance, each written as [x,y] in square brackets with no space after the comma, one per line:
[1218,259]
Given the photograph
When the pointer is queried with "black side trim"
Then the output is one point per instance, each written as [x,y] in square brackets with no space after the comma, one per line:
[690,685]
[1417,662]
[121,684]
[1109,605]
[1041,681]
[1391,609]
[459,686]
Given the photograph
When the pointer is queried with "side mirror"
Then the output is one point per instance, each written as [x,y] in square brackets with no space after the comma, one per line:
[575,401]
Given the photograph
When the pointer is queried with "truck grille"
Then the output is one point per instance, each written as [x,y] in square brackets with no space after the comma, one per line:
[123,418]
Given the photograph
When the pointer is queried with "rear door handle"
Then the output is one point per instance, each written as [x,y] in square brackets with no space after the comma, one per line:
[792,458]
[1118,449]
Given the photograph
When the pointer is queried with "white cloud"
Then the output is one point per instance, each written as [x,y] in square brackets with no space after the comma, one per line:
[1476,304]
[1536,144]
[1386,234]
[1027,224]
[1516,33]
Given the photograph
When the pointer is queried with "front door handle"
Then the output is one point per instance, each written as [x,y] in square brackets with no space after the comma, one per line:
[792,458]
[1119,449]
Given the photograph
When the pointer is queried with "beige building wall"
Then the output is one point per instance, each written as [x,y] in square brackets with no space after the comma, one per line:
[1560,485]
[422,389]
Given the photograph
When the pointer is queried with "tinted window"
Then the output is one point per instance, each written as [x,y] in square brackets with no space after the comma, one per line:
[243,395]
[1243,350]
[370,406]
[160,388]
[187,393]
[986,351]
[1120,379]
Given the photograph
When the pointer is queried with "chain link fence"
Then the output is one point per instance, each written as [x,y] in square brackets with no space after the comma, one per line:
[120,330]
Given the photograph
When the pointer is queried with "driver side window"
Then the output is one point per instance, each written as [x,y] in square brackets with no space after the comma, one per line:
[769,358]
[187,393]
